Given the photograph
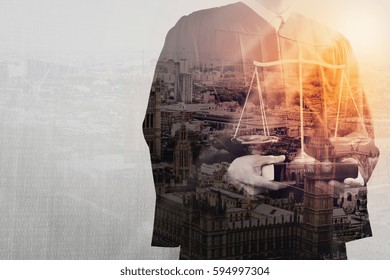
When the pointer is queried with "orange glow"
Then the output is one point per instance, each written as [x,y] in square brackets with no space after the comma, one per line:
[363,26]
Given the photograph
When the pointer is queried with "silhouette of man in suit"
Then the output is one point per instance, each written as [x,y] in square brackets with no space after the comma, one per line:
[257,119]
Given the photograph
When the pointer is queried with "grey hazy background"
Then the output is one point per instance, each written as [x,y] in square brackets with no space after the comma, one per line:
[75,176]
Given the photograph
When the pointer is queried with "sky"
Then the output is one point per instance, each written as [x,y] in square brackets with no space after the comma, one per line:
[128,26]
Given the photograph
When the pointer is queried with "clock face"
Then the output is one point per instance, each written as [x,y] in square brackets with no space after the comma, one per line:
[326,167]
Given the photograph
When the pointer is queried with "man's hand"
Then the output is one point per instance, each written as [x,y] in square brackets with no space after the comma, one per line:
[246,172]
[339,187]
[353,182]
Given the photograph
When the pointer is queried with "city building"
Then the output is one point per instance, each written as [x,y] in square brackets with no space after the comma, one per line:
[152,123]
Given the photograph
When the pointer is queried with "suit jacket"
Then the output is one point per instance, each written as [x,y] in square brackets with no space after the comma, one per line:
[197,104]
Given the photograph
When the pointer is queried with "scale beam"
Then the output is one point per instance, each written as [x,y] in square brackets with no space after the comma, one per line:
[298,61]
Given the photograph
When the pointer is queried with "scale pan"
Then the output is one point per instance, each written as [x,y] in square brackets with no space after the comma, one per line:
[255,139]
[348,140]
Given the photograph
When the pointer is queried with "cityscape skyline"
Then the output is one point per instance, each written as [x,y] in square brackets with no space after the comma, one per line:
[172,190]
[66,125]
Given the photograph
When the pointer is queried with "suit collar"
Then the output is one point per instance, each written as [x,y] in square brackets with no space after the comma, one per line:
[266,14]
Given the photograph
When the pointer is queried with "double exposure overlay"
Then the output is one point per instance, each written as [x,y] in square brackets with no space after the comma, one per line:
[261,141]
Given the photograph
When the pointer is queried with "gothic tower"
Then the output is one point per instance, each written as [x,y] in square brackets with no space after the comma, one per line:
[183,155]
[152,122]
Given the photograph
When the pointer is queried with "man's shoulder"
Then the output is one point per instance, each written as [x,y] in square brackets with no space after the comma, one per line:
[233,17]
[221,12]
[201,31]
[307,30]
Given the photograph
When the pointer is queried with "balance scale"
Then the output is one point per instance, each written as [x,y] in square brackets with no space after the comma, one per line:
[266,137]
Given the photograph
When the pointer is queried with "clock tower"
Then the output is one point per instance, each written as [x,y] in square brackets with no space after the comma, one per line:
[317,232]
